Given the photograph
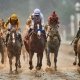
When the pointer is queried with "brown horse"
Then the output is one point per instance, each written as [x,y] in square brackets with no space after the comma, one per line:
[35,44]
[14,49]
[2,49]
[78,53]
[53,44]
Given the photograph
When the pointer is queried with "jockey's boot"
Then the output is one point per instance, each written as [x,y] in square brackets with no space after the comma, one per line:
[7,36]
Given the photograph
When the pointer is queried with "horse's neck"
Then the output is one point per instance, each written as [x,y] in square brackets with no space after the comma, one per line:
[54,26]
[33,38]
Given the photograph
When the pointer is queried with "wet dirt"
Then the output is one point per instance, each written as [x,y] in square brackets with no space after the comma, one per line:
[65,68]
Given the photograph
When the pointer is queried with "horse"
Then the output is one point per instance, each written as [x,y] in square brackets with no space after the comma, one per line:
[52,45]
[77,54]
[2,49]
[35,44]
[14,49]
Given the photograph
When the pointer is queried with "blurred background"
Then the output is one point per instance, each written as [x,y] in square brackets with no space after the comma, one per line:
[68,12]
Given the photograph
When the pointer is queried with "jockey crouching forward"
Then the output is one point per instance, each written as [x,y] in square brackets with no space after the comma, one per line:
[53,23]
[13,22]
[36,20]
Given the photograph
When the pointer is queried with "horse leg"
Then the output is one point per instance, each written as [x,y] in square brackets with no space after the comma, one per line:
[19,63]
[75,50]
[2,60]
[30,60]
[79,59]
[55,59]
[16,64]
[48,58]
[37,60]
[74,63]
[41,57]
[10,62]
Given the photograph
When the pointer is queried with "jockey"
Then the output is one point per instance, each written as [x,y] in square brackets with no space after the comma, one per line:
[37,19]
[29,24]
[53,20]
[53,23]
[13,22]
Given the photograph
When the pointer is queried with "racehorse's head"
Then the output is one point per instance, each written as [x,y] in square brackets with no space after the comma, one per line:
[13,35]
[38,31]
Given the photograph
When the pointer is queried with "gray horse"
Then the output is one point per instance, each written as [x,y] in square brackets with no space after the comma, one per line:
[77,54]
[14,49]
[53,44]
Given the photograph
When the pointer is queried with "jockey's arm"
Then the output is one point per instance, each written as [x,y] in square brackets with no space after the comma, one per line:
[42,20]
[6,24]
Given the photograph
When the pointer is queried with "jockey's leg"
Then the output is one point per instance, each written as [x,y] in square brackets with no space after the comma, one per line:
[28,35]
[7,36]
[30,30]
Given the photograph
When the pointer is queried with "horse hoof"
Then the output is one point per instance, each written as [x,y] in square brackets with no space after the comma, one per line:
[10,72]
[49,64]
[15,64]
[2,61]
[38,68]
[19,66]
[74,63]
[31,67]
[16,72]
[79,64]
[55,68]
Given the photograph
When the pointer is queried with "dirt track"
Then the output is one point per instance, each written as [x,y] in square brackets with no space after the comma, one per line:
[66,70]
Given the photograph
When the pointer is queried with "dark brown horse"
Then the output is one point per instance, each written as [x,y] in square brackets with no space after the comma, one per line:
[14,49]
[2,49]
[77,54]
[53,44]
[35,44]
